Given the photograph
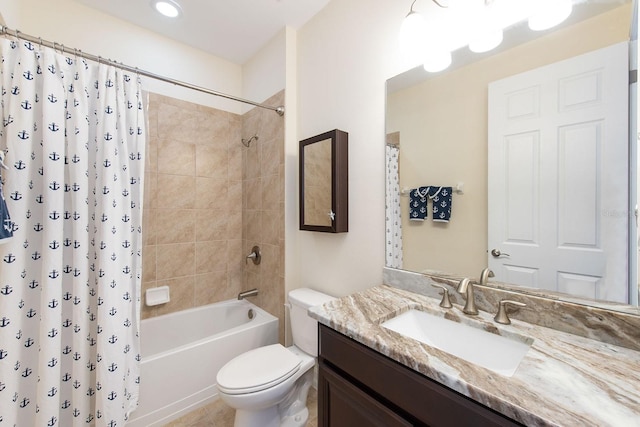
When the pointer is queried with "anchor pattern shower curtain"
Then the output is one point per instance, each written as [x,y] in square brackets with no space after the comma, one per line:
[393,243]
[70,275]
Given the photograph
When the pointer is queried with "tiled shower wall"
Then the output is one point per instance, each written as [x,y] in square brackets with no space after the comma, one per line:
[263,206]
[201,204]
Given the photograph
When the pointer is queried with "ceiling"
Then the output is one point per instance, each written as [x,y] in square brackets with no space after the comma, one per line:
[234,30]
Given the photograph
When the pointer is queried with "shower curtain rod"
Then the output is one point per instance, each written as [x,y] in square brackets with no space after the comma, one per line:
[4,31]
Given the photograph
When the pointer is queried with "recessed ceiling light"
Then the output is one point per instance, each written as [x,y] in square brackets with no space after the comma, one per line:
[168,8]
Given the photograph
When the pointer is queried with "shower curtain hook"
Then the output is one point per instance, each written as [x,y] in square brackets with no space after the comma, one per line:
[40,42]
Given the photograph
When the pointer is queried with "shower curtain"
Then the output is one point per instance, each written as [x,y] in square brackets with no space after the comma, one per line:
[70,275]
[393,218]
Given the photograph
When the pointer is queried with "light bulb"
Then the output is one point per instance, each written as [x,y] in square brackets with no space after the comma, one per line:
[486,41]
[549,13]
[168,8]
[436,60]
[412,35]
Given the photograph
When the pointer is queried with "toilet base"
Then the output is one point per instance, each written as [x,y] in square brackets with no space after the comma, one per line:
[292,411]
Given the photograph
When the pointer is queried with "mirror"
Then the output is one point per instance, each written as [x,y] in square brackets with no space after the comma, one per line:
[440,124]
[324,190]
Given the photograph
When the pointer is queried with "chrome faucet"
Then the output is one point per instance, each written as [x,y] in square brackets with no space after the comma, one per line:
[484,276]
[249,293]
[466,287]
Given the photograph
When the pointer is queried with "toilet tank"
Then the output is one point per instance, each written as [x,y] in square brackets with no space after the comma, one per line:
[304,328]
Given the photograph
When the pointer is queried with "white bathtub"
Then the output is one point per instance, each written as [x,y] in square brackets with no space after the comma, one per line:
[182,353]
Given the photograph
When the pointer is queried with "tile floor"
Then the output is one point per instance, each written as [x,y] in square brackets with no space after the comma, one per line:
[218,414]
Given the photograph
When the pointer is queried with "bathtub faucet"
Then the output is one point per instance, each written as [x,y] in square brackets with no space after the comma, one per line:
[249,293]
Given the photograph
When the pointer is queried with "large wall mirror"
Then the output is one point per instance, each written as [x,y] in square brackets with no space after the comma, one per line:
[324,191]
[438,134]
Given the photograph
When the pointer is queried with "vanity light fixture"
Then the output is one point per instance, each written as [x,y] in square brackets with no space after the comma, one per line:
[477,23]
[488,33]
[168,8]
[412,37]
[549,13]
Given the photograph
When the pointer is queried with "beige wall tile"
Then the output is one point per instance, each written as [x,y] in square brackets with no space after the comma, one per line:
[272,191]
[175,225]
[252,223]
[181,292]
[148,264]
[176,157]
[251,161]
[212,287]
[150,199]
[234,168]
[234,196]
[272,156]
[252,193]
[211,256]
[176,192]
[211,193]
[211,224]
[272,227]
[234,224]
[175,260]
[151,160]
[197,196]
[149,227]
[212,161]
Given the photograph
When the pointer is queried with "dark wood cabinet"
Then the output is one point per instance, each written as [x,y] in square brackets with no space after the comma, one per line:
[361,387]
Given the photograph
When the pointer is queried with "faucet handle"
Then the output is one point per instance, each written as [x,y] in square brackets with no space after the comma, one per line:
[501,316]
[446,302]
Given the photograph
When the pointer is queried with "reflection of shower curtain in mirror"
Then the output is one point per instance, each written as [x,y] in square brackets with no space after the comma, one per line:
[393,218]
[70,276]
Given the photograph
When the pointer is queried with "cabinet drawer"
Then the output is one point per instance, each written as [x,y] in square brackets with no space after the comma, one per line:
[422,398]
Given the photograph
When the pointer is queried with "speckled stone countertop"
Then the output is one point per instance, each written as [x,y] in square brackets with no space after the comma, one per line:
[563,380]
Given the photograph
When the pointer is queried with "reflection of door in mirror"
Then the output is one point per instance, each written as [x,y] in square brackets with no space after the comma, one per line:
[558,176]
[317,180]
[444,127]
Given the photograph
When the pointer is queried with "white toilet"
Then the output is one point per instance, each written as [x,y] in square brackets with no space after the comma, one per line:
[268,386]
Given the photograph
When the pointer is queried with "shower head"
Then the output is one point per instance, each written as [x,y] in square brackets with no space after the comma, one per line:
[247,142]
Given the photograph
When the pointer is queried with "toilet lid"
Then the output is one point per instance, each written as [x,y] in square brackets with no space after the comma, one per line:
[257,370]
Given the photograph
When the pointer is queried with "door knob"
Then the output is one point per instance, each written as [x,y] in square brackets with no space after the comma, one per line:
[496,253]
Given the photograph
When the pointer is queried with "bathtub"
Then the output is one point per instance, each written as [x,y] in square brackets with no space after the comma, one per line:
[182,353]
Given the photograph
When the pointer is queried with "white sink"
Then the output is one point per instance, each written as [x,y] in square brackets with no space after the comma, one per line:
[495,352]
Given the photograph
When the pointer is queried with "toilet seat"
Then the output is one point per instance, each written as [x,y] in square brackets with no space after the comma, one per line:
[257,370]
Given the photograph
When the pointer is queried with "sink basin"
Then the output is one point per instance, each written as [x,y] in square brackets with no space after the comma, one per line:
[495,352]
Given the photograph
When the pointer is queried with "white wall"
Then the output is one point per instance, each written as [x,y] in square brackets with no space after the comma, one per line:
[77,26]
[345,54]
[264,74]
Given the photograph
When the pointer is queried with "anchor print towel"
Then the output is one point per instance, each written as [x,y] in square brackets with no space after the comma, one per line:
[418,203]
[441,199]
[6,226]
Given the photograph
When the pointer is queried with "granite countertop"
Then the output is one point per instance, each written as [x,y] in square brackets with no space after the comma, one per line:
[563,380]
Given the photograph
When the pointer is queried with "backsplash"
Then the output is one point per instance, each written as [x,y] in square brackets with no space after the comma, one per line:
[601,324]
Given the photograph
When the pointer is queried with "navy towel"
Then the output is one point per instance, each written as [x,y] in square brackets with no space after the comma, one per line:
[418,203]
[441,198]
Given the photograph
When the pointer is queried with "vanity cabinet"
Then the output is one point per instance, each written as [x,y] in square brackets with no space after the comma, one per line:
[361,387]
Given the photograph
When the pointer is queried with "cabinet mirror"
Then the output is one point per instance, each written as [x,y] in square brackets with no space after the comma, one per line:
[324,182]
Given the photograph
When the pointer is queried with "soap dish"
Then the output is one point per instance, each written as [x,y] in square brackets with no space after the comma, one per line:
[156,296]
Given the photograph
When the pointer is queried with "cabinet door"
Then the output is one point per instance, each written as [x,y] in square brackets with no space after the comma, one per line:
[345,405]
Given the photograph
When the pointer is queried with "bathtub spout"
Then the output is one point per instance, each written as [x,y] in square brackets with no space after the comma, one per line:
[249,293]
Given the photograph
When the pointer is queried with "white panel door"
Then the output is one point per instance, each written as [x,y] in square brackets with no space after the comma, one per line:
[558,176]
